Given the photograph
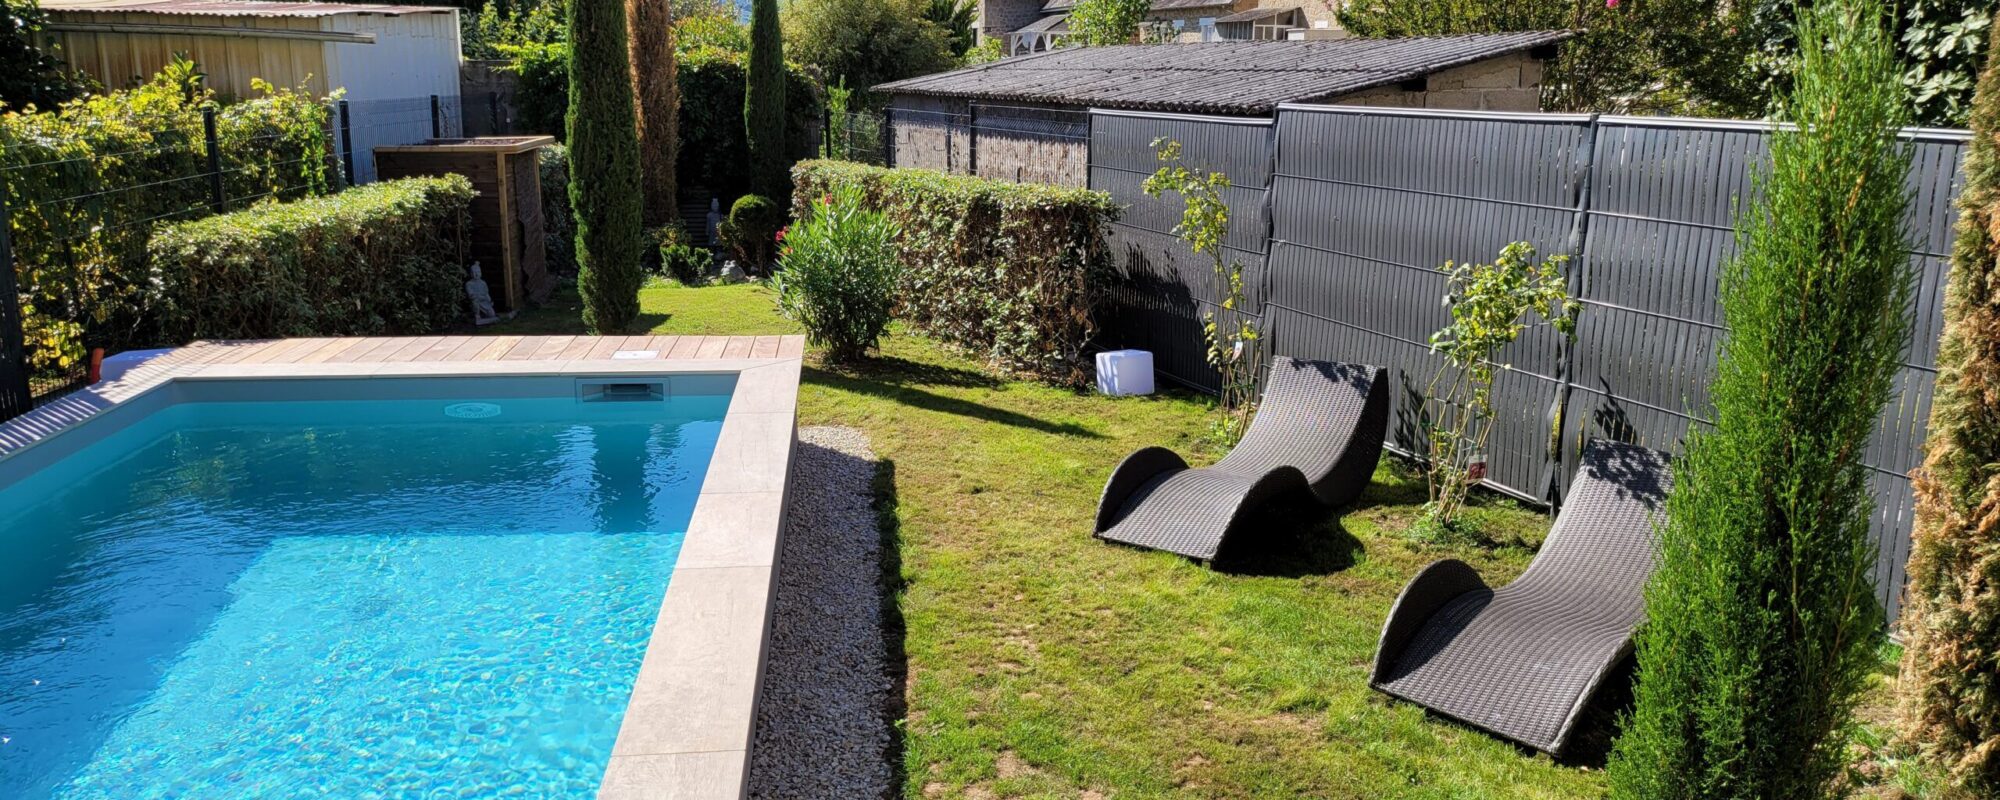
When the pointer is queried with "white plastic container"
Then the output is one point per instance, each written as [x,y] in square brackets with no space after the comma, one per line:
[1125,372]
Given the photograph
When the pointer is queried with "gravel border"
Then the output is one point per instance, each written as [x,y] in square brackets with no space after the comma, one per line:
[823,726]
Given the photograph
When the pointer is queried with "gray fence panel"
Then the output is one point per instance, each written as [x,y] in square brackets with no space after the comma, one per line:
[1663,203]
[1164,290]
[1367,205]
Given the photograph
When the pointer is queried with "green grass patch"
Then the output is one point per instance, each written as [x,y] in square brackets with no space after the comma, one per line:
[1045,664]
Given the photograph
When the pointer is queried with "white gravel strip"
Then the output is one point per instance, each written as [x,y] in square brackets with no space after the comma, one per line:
[822,721]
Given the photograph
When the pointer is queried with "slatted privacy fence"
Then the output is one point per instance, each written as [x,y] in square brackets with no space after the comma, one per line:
[1164,289]
[1344,215]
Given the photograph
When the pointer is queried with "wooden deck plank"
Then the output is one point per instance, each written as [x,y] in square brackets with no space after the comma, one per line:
[497,347]
[551,347]
[712,347]
[606,345]
[384,351]
[684,347]
[738,346]
[468,348]
[765,347]
[409,352]
[577,349]
[337,347]
[240,350]
[443,348]
[791,346]
[276,352]
[359,351]
[525,348]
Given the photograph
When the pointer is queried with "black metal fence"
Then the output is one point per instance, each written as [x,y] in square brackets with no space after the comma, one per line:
[68,222]
[1342,216]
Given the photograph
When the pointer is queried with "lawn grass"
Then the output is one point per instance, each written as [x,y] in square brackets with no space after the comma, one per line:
[1044,664]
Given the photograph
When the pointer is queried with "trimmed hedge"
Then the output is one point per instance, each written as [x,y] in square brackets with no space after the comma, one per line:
[1013,271]
[88,182]
[380,259]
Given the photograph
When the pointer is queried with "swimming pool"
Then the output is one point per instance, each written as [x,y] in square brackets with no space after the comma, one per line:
[389,587]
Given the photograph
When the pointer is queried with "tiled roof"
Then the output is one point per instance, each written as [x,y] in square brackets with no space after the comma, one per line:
[1217,77]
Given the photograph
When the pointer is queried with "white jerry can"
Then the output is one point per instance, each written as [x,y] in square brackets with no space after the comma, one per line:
[1125,372]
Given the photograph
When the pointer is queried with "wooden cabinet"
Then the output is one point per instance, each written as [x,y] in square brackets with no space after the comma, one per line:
[506,233]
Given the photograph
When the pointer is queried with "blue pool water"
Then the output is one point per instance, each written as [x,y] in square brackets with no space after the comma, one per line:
[340,599]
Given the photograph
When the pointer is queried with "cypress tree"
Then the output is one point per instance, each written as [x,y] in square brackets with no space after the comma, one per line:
[654,83]
[1950,689]
[764,101]
[1762,623]
[603,165]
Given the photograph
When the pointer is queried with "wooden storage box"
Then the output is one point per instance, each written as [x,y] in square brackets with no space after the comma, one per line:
[506,232]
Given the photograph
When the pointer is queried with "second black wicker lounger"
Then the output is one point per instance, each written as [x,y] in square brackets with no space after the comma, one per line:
[1524,660]
[1318,430]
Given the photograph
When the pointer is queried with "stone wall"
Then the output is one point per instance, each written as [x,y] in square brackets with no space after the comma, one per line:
[1507,83]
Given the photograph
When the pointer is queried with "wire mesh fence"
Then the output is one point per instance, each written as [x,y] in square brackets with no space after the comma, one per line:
[81,197]
[855,136]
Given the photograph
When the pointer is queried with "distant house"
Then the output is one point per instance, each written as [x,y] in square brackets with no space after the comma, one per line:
[1033,26]
[1026,118]
[391,59]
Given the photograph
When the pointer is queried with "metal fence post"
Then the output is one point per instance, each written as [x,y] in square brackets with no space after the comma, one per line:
[347,143]
[15,395]
[888,137]
[217,200]
[972,138]
[437,119]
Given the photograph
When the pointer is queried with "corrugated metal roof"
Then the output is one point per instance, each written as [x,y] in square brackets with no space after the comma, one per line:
[1217,77]
[236,8]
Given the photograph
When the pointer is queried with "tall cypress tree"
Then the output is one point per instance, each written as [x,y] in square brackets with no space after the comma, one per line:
[603,165]
[1762,623]
[764,102]
[1951,625]
[654,83]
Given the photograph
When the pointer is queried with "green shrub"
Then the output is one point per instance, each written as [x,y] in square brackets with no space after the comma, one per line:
[687,263]
[1950,687]
[751,230]
[1011,271]
[558,221]
[87,183]
[837,276]
[380,259]
[603,165]
[764,102]
[541,85]
[1762,623]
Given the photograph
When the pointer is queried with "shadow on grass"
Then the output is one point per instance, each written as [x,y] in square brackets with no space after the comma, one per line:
[893,630]
[1295,538]
[862,381]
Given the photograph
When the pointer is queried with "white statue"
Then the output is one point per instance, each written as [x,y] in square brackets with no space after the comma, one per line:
[482,299]
[714,220]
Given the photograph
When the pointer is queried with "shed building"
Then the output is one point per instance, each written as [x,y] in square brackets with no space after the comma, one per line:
[1027,118]
[390,59]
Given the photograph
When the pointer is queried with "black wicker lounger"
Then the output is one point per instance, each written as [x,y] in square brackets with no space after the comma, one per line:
[1524,660]
[1318,432]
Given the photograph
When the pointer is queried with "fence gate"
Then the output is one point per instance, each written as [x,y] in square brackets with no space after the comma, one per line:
[1343,216]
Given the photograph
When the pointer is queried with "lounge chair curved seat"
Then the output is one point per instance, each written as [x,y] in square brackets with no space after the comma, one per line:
[1318,432]
[1523,661]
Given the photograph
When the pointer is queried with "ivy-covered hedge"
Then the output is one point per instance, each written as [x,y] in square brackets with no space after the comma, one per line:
[1013,271]
[87,183]
[380,259]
